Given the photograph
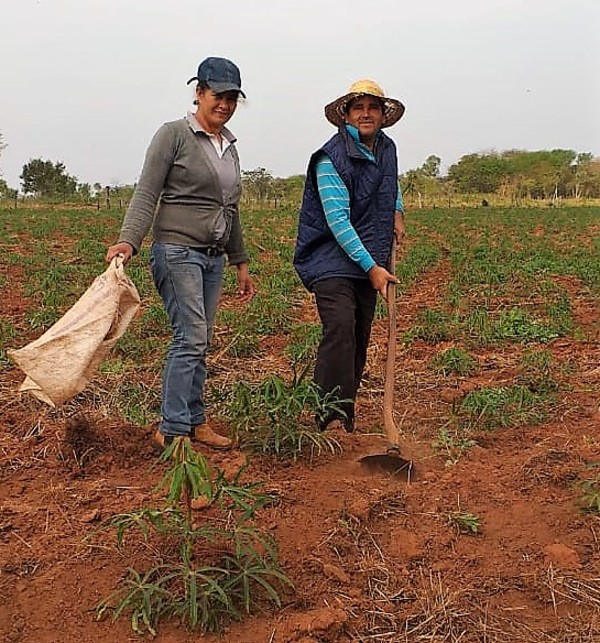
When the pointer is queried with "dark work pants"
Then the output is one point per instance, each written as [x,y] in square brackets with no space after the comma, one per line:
[346,308]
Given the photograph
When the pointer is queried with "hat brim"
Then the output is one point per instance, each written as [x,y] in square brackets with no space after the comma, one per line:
[219,88]
[393,109]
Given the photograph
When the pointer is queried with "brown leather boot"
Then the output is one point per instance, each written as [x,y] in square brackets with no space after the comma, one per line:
[203,433]
[161,442]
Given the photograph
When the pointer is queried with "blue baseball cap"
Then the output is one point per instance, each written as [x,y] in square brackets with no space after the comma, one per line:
[220,74]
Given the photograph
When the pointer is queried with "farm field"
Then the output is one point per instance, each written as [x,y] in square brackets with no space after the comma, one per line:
[495,536]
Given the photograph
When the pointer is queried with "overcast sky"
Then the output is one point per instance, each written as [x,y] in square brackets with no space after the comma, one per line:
[87,82]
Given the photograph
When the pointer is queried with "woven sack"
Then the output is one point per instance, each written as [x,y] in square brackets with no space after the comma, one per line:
[61,362]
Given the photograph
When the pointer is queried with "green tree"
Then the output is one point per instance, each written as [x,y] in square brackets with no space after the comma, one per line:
[482,173]
[423,182]
[584,177]
[3,186]
[84,190]
[431,167]
[257,184]
[6,192]
[541,174]
[47,179]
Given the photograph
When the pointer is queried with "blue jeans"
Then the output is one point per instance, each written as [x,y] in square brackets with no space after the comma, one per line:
[189,283]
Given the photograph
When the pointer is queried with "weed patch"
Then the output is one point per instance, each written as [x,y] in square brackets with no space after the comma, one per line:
[278,417]
[490,408]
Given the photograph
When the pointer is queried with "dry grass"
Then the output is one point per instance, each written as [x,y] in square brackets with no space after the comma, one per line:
[568,587]
[426,608]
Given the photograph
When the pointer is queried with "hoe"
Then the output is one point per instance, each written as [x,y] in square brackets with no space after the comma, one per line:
[391,461]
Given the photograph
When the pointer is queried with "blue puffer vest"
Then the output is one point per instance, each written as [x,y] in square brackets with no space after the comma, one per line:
[373,188]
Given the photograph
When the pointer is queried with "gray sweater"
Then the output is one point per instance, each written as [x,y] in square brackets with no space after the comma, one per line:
[180,195]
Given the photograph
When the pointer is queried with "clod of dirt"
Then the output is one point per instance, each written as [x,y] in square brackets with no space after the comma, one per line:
[323,620]
[91,516]
[360,508]
[562,556]
[333,571]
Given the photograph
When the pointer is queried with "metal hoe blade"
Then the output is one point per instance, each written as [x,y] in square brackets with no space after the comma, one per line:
[392,463]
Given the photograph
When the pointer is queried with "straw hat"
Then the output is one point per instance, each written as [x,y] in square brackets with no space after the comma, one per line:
[392,108]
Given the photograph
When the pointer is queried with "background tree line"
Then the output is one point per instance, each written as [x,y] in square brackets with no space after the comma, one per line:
[512,176]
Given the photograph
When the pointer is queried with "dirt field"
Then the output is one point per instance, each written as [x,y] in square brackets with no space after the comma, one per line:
[372,557]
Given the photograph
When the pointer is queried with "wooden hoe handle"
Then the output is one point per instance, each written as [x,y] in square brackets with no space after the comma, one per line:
[390,363]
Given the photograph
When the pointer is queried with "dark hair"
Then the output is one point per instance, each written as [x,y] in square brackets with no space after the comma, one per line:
[354,98]
[202,85]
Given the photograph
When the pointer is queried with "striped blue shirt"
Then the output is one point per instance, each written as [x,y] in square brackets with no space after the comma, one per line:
[336,205]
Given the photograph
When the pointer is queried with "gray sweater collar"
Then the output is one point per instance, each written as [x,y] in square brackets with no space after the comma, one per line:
[196,127]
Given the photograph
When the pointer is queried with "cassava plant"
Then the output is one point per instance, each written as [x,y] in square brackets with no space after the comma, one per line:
[206,572]
[278,417]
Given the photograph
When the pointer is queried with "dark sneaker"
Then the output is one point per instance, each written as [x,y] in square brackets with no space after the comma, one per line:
[335,424]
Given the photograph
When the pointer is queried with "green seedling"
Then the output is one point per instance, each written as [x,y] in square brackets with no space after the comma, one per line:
[454,444]
[454,361]
[465,523]
[489,408]
[590,493]
[204,574]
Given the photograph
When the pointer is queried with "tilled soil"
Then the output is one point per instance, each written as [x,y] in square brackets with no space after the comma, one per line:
[372,557]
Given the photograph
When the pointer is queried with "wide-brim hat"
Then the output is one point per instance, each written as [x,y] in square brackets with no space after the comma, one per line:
[393,109]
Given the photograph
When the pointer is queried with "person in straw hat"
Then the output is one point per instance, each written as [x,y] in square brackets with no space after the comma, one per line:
[351,210]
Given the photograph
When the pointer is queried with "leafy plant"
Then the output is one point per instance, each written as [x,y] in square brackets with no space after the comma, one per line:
[43,318]
[304,341]
[454,361]
[216,571]
[465,523]
[560,315]
[590,493]
[137,402]
[518,325]
[432,326]
[478,325]
[7,334]
[453,444]
[503,406]
[242,340]
[278,417]
[537,373]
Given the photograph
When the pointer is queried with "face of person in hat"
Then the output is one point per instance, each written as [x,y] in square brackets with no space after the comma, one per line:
[366,114]
[217,92]
[214,109]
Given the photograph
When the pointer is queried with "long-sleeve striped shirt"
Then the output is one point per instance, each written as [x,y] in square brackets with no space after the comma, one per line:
[336,205]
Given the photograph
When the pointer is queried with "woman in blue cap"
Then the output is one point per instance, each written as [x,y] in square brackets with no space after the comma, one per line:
[189,192]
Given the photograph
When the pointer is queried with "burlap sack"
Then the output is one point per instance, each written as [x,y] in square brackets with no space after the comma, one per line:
[61,362]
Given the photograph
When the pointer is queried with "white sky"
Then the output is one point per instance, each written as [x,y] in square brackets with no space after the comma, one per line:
[87,82]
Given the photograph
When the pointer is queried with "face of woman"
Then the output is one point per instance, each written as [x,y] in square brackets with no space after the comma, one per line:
[214,110]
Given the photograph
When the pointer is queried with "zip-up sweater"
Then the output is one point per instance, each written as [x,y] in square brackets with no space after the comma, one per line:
[180,196]
[373,189]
